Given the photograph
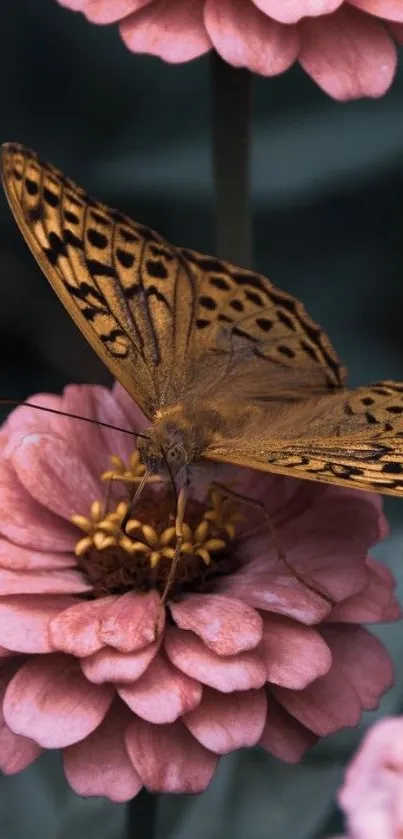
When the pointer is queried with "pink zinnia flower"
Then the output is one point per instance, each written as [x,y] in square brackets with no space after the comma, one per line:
[372,794]
[346,46]
[245,651]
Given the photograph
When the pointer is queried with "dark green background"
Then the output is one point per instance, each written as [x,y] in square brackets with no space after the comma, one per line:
[328,212]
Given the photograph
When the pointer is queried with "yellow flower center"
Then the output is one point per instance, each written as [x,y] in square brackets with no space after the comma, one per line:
[120,554]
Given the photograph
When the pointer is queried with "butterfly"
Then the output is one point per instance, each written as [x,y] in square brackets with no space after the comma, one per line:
[225,366]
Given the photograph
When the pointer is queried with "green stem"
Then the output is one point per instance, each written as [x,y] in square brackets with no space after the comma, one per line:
[230,140]
[142,816]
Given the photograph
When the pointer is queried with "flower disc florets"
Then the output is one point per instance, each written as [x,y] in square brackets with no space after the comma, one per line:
[129,549]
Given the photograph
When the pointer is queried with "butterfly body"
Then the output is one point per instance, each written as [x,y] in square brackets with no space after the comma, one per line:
[226,367]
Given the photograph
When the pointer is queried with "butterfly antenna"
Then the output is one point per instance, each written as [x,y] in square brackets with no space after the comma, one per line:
[72,416]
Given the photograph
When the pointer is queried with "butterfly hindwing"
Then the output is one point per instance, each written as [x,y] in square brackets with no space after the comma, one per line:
[353,438]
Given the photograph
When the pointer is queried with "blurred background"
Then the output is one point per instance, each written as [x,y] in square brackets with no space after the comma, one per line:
[328,215]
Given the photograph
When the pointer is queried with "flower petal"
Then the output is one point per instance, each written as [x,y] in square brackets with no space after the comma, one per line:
[162,694]
[397,31]
[99,764]
[168,758]
[223,723]
[77,629]
[108,665]
[50,700]
[371,795]
[389,9]
[24,419]
[291,11]
[53,474]
[24,622]
[276,591]
[168,28]
[374,603]
[134,417]
[16,753]
[95,443]
[24,521]
[295,654]
[325,706]
[110,11]
[240,672]
[362,659]
[268,47]
[17,558]
[41,582]
[226,625]
[129,623]
[349,54]
[283,736]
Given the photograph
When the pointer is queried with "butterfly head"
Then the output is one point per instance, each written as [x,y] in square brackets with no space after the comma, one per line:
[171,444]
[163,453]
[159,458]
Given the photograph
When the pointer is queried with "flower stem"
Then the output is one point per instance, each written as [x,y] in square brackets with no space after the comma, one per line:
[230,140]
[142,816]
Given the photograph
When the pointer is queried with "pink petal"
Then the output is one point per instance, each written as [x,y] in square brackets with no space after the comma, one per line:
[374,603]
[77,630]
[362,659]
[389,9]
[109,665]
[110,11]
[135,418]
[171,29]
[95,443]
[349,54]
[24,622]
[276,591]
[245,37]
[16,753]
[325,706]
[74,5]
[168,758]
[240,672]
[41,582]
[26,522]
[283,736]
[371,796]
[17,558]
[129,623]
[54,475]
[295,655]
[99,765]
[224,723]
[226,625]
[397,31]
[291,11]
[162,694]
[49,700]
[23,420]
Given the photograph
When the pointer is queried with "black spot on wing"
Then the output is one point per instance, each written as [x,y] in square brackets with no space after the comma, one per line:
[96,239]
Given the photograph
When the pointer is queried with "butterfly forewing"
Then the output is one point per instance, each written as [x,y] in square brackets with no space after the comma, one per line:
[155,313]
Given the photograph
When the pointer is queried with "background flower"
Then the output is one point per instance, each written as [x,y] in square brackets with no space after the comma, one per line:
[372,793]
[260,657]
[346,46]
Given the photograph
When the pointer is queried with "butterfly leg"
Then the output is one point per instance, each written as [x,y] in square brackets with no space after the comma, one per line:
[254,502]
[180,514]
